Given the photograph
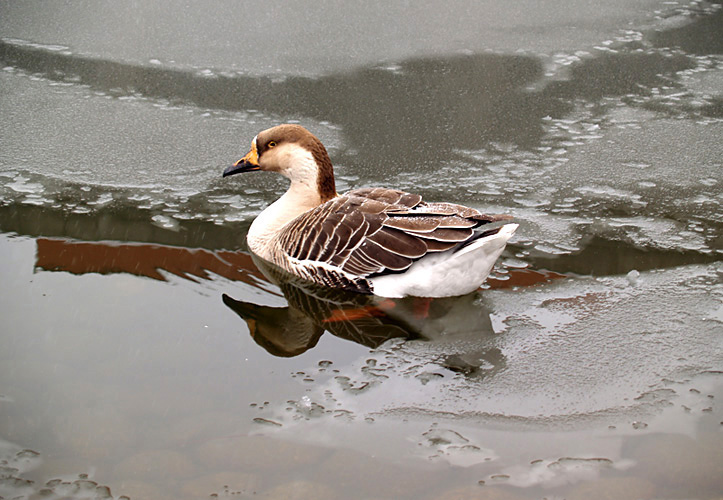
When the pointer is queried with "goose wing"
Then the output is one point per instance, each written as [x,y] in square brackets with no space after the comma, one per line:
[373,231]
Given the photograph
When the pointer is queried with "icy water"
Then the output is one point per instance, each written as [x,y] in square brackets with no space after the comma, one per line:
[145,354]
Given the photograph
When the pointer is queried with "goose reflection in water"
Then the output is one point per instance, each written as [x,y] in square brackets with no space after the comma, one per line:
[459,327]
[368,320]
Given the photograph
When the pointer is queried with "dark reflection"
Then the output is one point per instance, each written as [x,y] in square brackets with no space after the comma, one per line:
[294,329]
[367,320]
[139,247]
[291,330]
[416,112]
[419,110]
[604,257]
[702,36]
[119,223]
[619,74]
[422,110]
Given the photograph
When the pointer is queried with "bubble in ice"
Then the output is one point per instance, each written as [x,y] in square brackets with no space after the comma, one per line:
[633,277]
[306,408]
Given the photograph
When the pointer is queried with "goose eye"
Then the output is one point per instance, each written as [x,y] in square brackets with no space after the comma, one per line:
[272,144]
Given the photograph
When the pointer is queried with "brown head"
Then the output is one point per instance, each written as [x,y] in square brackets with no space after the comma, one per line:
[294,152]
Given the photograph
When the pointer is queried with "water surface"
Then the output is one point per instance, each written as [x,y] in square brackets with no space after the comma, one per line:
[144,352]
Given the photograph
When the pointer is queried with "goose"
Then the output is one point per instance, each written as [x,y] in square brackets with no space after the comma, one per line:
[379,241]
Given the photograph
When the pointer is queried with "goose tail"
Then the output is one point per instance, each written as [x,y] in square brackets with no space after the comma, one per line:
[446,274]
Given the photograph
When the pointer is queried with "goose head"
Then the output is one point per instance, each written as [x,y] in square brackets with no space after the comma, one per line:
[293,152]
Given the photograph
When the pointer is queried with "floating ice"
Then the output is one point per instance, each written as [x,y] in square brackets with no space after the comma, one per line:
[21,185]
[572,351]
[165,222]
[633,277]
[103,199]
[554,473]
[450,446]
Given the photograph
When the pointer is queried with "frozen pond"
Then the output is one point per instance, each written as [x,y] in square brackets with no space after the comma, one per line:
[144,353]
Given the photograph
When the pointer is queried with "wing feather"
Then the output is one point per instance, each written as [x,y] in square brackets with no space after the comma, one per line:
[375,230]
[372,252]
[442,234]
[358,228]
[388,196]
[361,264]
[439,246]
[415,224]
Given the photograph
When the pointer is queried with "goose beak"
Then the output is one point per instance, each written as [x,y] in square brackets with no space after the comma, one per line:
[248,163]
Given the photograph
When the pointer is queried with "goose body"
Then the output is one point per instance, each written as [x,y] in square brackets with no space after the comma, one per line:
[374,240]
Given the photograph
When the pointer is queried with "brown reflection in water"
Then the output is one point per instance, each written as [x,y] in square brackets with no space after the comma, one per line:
[311,310]
[523,277]
[366,320]
[143,260]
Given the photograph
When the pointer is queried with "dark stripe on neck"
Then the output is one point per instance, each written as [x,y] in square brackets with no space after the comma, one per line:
[325,180]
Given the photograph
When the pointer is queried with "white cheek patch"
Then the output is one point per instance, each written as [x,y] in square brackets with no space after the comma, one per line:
[300,164]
